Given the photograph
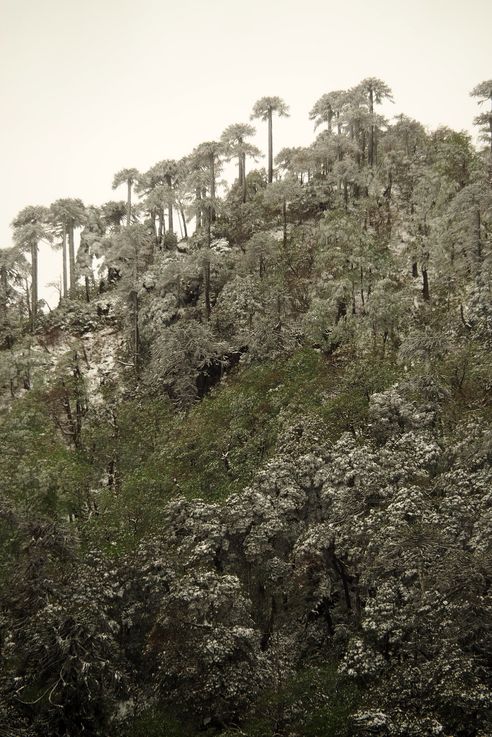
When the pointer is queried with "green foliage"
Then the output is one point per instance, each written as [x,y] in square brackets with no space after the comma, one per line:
[247,491]
[315,702]
[36,460]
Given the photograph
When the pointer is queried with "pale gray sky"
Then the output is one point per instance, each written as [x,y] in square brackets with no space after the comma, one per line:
[91,86]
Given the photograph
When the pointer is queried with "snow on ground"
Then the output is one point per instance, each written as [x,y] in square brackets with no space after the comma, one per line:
[101,349]
[41,357]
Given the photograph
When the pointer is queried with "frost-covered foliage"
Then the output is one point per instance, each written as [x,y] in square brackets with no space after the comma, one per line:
[207,648]
[245,474]
[60,634]
[373,549]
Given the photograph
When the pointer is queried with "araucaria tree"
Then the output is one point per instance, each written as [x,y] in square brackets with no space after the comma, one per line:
[483,92]
[31,226]
[128,177]
[376,91]
[67,214]
[236,146]
[263,110]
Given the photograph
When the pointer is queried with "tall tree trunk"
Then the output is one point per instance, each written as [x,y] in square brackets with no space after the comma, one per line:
[136,332]
[28,301]
[243,157]
[160,235]
[370,151]
[490,133]
[212,188]
[4,283]
[64,259]
[34,284]
[240,168]
[71,258]
[87,290]
[153,217]
[170,206]
[206,265]
[129,202]
[284,221]
[183,218]
[198,197]
[270,147]
[206,283]
[170,217]
[425,284]
[490,130]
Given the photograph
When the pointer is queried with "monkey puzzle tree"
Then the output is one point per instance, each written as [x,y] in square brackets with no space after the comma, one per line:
[90,247]
[130,254]
[60,228]
[328,107]
[484,93]
[376,91]
[181,190]
[159,184]
[128,177]
[169,169]
[263,110]
[31,226]
[279,196]
[297,160]
[13,266]
[68,214]
[206,158]
[112,214]
[235,146]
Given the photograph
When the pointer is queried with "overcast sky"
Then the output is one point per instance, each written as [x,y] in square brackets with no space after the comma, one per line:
[88,87]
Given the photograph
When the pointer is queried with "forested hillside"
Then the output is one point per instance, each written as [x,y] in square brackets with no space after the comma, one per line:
[246,483]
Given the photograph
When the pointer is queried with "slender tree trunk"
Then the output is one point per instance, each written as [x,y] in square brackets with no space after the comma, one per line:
[370,151]
[71,259]
[284,221]
[198,197]
[490,131]
[212,186]
[34,284]
[87,290]
[160,235]
[206,265]
[136,331]
[28,300]
[425,284]
[170,217]
[4,279]
[129,202]
[243,157]
[170,206]
[185,228]
[64,258]
[5,285]
[206,281]
[362,290]
[153,218]
[270,147]
[240,169]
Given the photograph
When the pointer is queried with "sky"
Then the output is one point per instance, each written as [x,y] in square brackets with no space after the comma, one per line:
[88,87]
